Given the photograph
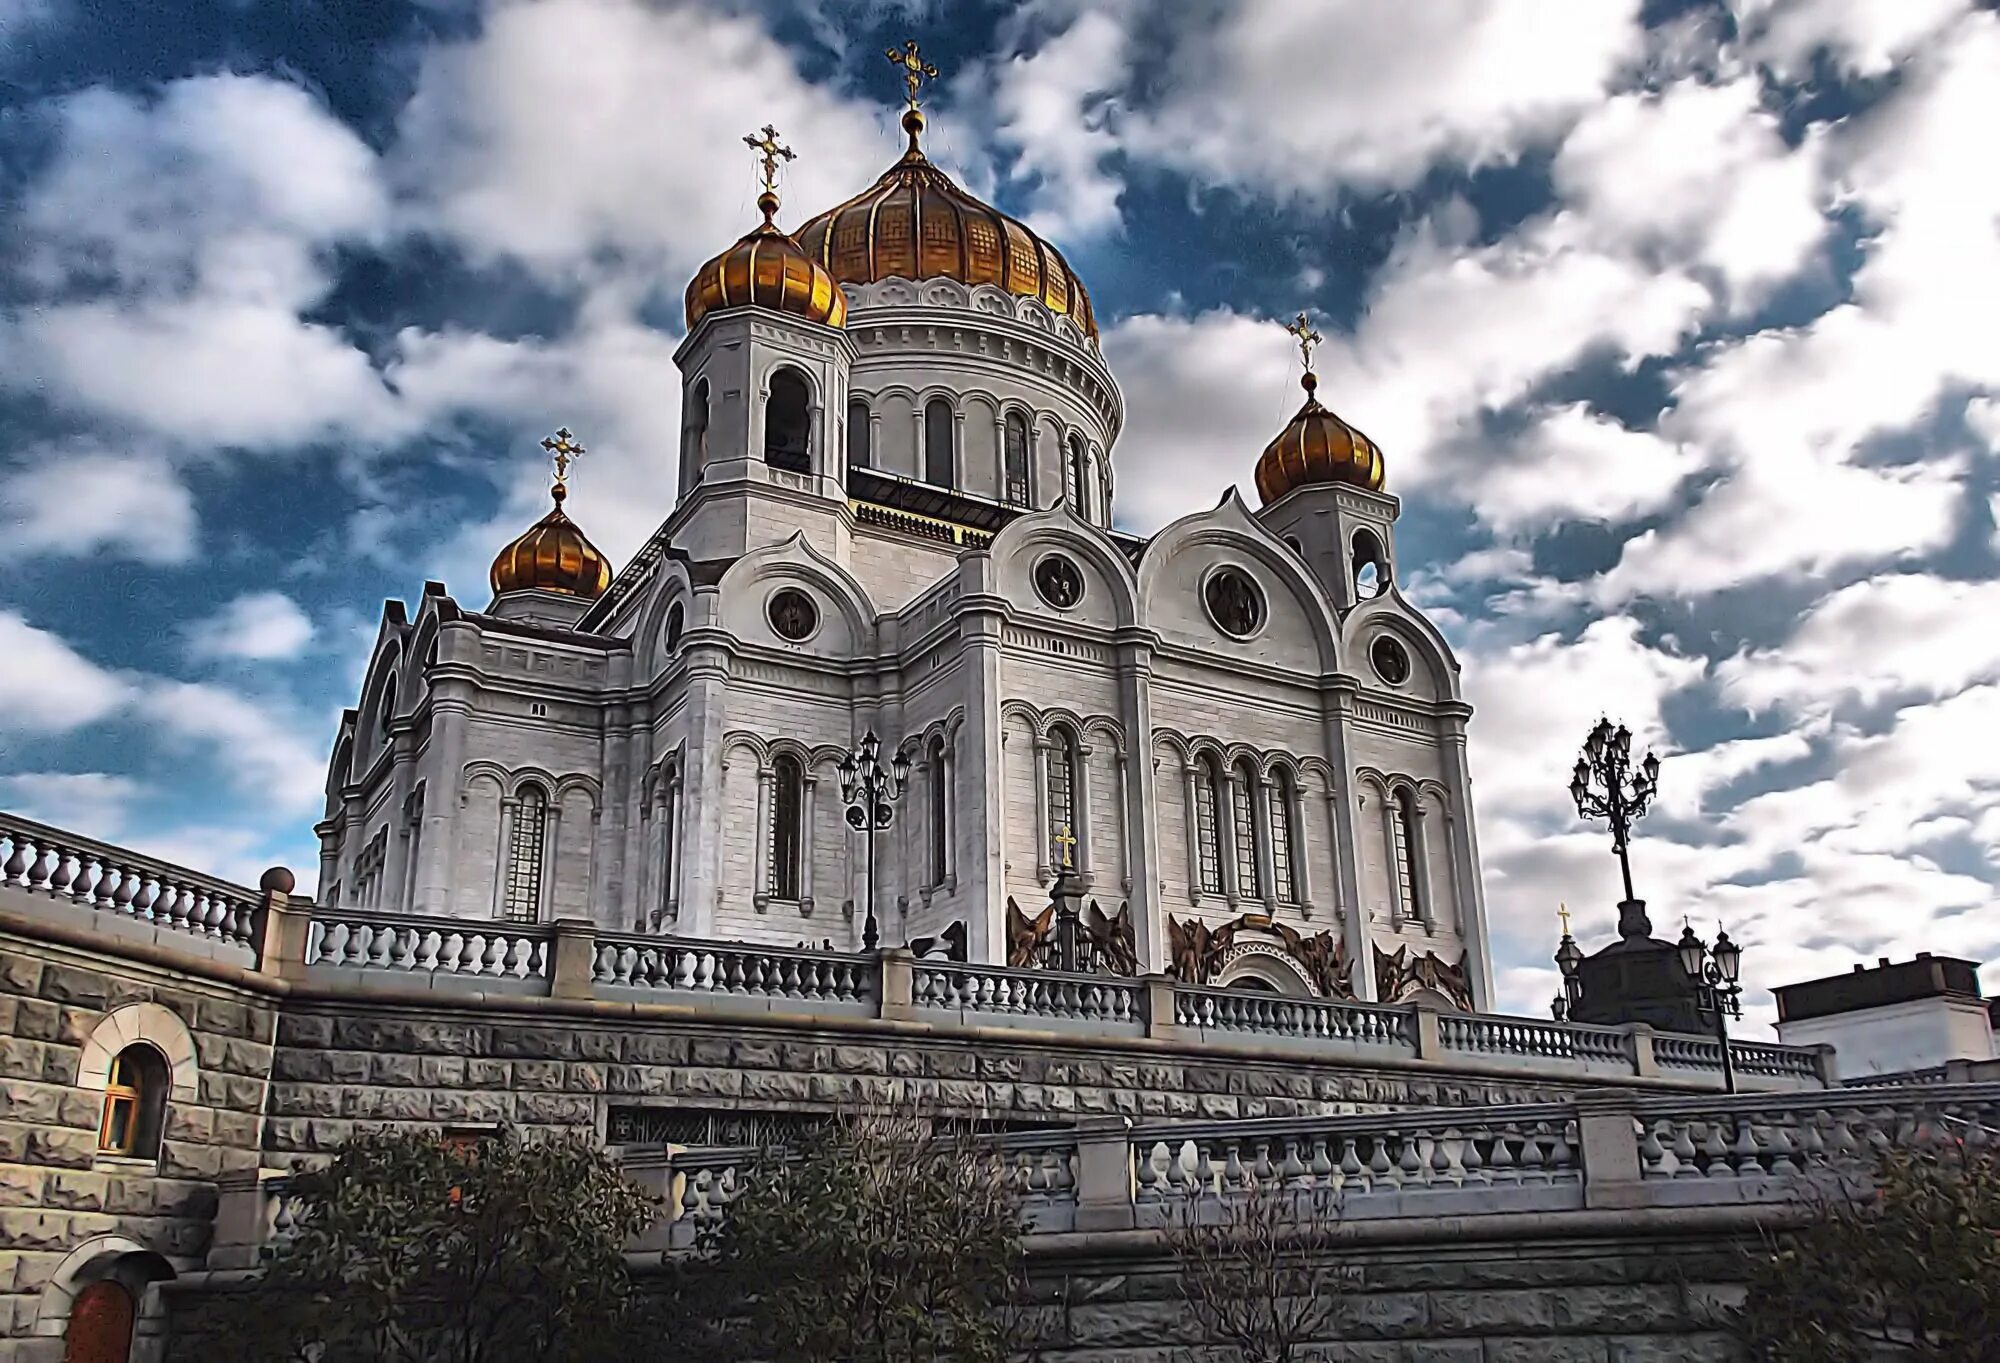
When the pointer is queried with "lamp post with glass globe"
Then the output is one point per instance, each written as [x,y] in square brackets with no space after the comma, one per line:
[1569,957]
[868,790]
[1715,971]
[1605,786]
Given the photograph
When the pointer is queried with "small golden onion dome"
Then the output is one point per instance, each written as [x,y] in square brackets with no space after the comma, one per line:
[1317,447]
[766,269]
[915,223]
[553,556]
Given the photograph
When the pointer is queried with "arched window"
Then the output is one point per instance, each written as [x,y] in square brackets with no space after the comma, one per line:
[788,789]
[100,1324]
[1207,825]
[1371,565]
[522,900]
[940,814]
[694,433]
[1409,874]
[1284,837]
[1015,440]
[135,1104]
[388,712]
[1249,880]
[1079,475]
[1062,832]
[788,423]
[860,436]
[938,423]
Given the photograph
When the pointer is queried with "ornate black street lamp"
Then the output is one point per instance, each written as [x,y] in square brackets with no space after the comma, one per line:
[1605,786]
[868,789]
[1714,971]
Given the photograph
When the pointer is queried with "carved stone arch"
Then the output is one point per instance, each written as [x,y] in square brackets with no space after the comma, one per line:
[1368,779]
[1106,726]
[1058,527]
[1068,329]
[340,770]
[1174,741]
[481,769]
[946,293]
[422,640]
[789,747]
[795,559]
[1319,769]
[587,784]
[1392,613]
[520,778]
[744,741]
[670,586]
[1036,314]
[1268,962]
[944,728]
[895,291]
[148,1024]
[1021,709]
[895,390]
[1231,525]
[1065,718]
[1243,752]
[990,298]
[382,674]
[118,1259]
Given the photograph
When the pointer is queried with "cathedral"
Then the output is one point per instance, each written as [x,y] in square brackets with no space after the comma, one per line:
[1235,743]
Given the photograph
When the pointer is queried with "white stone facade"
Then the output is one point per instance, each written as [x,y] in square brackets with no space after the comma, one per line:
[665,761]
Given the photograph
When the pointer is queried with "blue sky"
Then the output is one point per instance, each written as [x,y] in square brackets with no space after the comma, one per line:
[1673,320]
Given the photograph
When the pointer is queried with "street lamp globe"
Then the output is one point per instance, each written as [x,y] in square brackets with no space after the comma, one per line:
[1728,957]
[1692,950]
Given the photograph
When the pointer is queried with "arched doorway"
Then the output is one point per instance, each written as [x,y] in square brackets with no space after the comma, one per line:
[100,1324]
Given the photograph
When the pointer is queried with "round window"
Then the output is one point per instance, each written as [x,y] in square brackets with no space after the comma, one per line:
[793,614]
[675,621]
[1234,602]
[1392,664]
[1058,582]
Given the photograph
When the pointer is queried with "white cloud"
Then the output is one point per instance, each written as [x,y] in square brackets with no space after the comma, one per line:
[94,803]
[1049,108]
[48,687]
[1866,37]
[256,625]
[1982,417]
[88,501]
[264,755]
[1573,464]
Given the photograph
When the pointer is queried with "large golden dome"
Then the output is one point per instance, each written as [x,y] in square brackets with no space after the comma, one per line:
[1317,447]
[554,556]
[766,269]
[915,223]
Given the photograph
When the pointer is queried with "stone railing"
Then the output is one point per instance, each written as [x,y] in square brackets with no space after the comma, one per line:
[770,975]
[1108,1004]
[118,884]
[1248,1014]
[431,949]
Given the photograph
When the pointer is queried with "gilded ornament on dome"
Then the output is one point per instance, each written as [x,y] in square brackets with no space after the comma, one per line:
[554,555]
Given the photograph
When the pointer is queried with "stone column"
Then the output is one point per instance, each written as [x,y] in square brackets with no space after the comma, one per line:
[1301,846]
[451,711]
[1420,864]
[501,857]
[983,805]
[1267,867]
[1471,905]
[1225,835]
[701,845]
[1080,816]
[1134,660]
[1190,772]
[672,855]
[762,843]
[551,857]
[810,787]
[1338,698]
[1042,746]
[1392,862]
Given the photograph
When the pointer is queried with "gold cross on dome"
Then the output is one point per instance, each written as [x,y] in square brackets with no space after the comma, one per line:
[770,151]
[1065,842]
[915,69]
[1562,912]
[1302,331]
[563,449]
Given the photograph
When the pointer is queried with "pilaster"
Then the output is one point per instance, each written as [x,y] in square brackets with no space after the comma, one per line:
[1339,698]
[1142,833]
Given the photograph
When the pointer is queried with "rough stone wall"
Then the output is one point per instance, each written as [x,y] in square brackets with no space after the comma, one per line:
[1609,1301]
[56,1191]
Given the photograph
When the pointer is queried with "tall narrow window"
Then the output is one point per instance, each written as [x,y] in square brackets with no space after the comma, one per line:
[1207,829]
[522,902]
[788,423]
[788,780]
[694,434]
[388,713]
[669,812]
[938,422]
[1249,883]
[1404,822]
[860,437]
[1079,476]
[135,1104]
[940,805]
[1015,439]
[1282,838]
[1063,832]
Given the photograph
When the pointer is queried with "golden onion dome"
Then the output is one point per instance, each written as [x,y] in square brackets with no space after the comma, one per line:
[1317,447]
[553,556]
[766,269]
[916,223]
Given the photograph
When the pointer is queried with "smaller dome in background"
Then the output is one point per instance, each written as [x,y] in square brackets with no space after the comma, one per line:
[766,269]
[553,556]
[1317,447]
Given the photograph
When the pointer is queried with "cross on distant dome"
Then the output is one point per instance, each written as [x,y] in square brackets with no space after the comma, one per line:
[1307,338]
[915,69]
[770,151]
[563,449]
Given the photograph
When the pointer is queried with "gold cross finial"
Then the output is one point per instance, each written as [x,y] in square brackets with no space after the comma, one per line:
[1065,842]
[915,69]
[563,449]
[770,151]
[1562,912]
[1302,331]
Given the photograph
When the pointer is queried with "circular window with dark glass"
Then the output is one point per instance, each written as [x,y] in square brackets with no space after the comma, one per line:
[793,614]
[1058,582]
[675,621]
[1392,664]
[1234,602]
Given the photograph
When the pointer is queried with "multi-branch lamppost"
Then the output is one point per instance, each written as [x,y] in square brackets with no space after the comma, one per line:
[1605,786]
[1715,970]
[868,789]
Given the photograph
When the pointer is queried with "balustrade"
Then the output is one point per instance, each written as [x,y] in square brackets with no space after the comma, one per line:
[1839,1131]
[1224,1010]
[1531,1038]
[731,968]
[1106,999]
[428,947]
[94,875]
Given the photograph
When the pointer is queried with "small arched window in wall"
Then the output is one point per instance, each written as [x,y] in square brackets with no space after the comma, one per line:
[1371,565]
[860,436]
[1208,825]
[694,432]
[938,423]
[521,901]
[1062,831]
[1403,819]
[1015,440]
[940,783]
[788,780]
[1243,780]
[135,1104]
[1284,837]
[788,423]
[1079,476]
[100,1324]
[388,712]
